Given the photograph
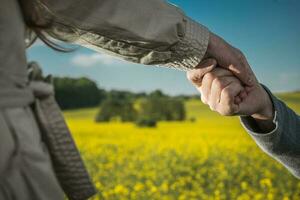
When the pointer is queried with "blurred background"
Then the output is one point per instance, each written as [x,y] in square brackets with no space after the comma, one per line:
[143,130]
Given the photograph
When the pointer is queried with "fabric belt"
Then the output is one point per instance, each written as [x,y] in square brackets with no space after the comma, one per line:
[67,162]
[15,97]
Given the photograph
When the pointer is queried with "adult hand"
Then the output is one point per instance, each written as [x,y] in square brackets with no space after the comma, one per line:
[229,58]
[225,94]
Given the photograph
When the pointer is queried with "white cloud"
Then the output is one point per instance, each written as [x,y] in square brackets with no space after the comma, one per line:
[89,60]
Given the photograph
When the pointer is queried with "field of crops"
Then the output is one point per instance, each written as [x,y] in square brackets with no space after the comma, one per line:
[211,158]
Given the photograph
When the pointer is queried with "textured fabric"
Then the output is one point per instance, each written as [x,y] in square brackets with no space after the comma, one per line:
[141,31]
[13,73]
[283,143]
[12,47]
[15,97]
[148,32]
[67,163]
[25,168]
[195,41]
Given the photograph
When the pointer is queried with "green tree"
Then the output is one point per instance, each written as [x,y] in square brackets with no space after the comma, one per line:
[76,93]
[114,107]
[164,108]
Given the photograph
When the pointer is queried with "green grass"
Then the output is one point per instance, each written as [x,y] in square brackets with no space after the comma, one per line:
[292,99]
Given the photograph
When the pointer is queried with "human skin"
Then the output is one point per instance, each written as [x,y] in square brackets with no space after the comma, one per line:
[229,58]
[224,93]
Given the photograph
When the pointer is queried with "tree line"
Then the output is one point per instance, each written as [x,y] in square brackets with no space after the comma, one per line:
[73,93]
[145,109]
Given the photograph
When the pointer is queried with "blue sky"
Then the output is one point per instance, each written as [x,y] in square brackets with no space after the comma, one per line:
[267,31]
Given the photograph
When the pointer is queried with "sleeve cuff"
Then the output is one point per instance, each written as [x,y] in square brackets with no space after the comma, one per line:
[251,127]
[191,48]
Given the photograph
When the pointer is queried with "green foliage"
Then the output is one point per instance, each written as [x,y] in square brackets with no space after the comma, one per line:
[156,107]
[146,122]
[162,108]
[77,93]
[157,94]
[116,107]
[193,119]
[289,97]
[117,94]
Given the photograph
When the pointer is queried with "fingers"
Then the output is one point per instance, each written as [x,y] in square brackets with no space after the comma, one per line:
[209,66]
[208,80]
[240,67]
[243,95]
[219,87]
[227,106]
[216,89]
[195,76]
[230,58]
[221,93]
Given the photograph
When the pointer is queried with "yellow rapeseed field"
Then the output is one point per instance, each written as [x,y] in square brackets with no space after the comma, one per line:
[211,158]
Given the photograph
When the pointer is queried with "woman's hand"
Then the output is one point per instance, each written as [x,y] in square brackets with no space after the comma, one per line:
[225,94]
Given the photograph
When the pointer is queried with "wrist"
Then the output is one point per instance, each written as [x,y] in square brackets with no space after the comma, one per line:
[212,45]
[264,117]
[266,111]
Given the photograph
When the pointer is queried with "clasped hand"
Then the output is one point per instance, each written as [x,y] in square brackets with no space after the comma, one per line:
[228,85]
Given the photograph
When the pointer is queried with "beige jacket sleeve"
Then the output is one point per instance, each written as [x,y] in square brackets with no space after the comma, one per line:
[142,31]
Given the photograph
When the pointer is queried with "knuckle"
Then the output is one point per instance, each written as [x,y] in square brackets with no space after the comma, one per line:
[209,77]
[190,75]
[219,83]
[194,77]
[226,92]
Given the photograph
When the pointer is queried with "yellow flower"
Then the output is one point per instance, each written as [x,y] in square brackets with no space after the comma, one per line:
[164,187]
[266,182]
[120,189]
[205,160]
[138,187]
[244,185]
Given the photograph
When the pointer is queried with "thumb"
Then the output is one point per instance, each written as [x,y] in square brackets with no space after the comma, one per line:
[230,58]
[241,68]
[251,102]
[195,76]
